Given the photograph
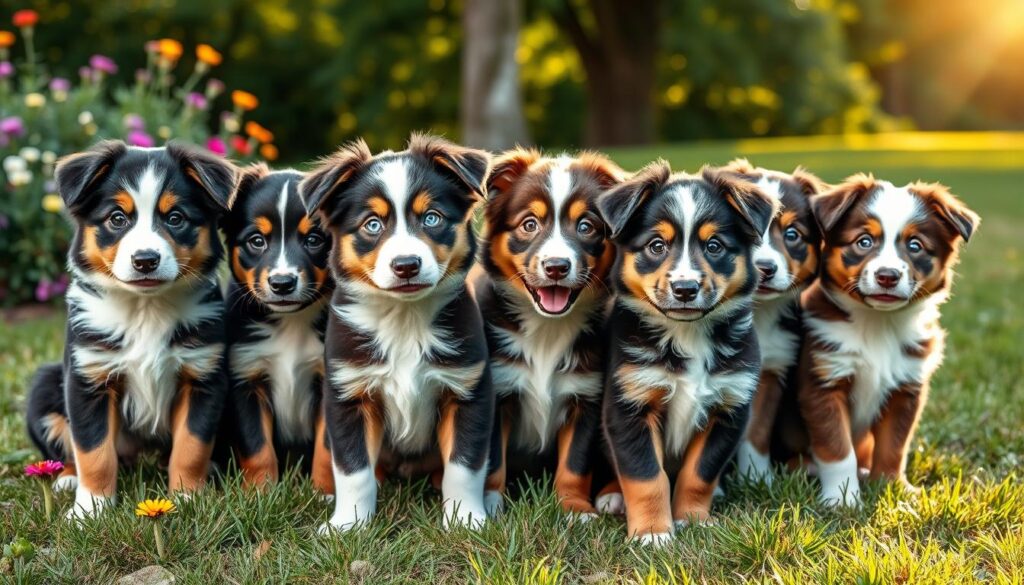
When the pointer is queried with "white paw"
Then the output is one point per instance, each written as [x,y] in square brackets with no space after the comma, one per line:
[841,498]
[65,483]
[342,523]
[611,503]
[753,465]
[87,506]
[655,539]
[863,472]
[494,503]
[582,517]
[463,514]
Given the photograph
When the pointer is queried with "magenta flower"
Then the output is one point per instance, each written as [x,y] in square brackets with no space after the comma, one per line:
[103,63]
[58,84]
[140,138]
[12,126]
[42,295]
[216,145]
[6,69]
[134,122]
[47,468]
[196,100]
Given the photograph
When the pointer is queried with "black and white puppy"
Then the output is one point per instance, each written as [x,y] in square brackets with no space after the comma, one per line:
[406,358]
[684,359]
[144,358]
[276,318]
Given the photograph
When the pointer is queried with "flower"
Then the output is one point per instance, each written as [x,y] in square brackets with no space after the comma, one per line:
[85,117]
[140,138]
[31,154]
[42,294]
[25,18]
[215,144]
[6,39]
[152,47]
[196,101]
[20,178]
[103,63]
[6,69]
[47,468]
[52,203]
[164,132]
[154,508]
[133,122]
[244,100]
[240,145]
[14,163]
[35,100]
[85,73]
[214,88]
[49,157]
[170,49]
[258,132]
[207,54]
[60,84]
[269,152]
[230,122]
[12,126]
[143,76]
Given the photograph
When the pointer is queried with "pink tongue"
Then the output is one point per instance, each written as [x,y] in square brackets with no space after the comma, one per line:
[553,299]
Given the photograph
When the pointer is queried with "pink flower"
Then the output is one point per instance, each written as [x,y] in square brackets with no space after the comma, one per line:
[12,126]
[140,138]
[196,100]
[47,468]
[103,63]
[6,69]
[60,84]
[216,145]
[134,122]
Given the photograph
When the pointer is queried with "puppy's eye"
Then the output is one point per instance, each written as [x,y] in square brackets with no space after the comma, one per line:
[714,247]
[585,228]
[431,219]
[865,242]
[257,242]
[656,247]
[118,220]
[175,219]
[791,235]
[530,225]
[915,246]
[373,226]
[313,242]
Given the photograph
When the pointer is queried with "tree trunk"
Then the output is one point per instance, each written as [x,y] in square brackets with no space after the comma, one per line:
[492,112]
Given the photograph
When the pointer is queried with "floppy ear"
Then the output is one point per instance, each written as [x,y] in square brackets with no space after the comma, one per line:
[809,183]
[217,176]
[509,167]
[77,174]
[619,204]
[754,208]
[740,166]
[332,173]
[467,166]
[830,207]
[607,173]
[247,179]
[948,207]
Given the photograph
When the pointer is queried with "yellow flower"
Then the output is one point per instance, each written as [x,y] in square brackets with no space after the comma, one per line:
[169,49]
[209,55]
[244,100]
[6,38]
[259,132]
[154,508]
[269,152]
[53,203]
[35,100]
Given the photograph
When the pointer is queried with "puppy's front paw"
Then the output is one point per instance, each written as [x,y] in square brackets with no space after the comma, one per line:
[610,503]
[65,483]
[462,514]
[841,498]
[87,506]
[696,520]
[653,539]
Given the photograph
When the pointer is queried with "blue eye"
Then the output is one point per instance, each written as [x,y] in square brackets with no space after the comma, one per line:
[791,234]
[914,245]
[865,242]
[373,226]
[714,247]
[585,228]
[431,219]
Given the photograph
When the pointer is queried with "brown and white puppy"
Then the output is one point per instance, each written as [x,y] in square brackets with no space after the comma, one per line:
[544,299]
[407,370]
[872,319]
[144,356]
[787,263]
[684,359]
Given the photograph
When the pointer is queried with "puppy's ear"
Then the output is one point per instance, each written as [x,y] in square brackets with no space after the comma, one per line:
[830,207]
[740,166]
[950,209]
[607,173]
[247,179]
[619,204]
[755,209]
[332,174]
[77,175]
[809,183]
[466,166]
[508,168]
[217,176]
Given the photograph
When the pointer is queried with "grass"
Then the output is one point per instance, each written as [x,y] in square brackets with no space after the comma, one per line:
[966,526]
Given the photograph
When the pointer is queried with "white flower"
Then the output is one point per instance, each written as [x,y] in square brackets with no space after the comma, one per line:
[49,157]
[19,178]
[14,163]
[231,124]
[35,100]
[30,154]
[85,117]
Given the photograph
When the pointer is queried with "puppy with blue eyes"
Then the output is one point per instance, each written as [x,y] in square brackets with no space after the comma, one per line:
[684,359]
[407,375]
[276,318]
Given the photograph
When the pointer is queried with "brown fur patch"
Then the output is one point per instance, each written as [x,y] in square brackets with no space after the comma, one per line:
[573,490]
[509,167]
[692,499]
[322,473]
[576,210]
[648,506]
[665,230]
[125,202]
[260,468]
[538,208]
[893,430]
[100,260]
[378,205]
[97,468]
[305,226]
[707,231]
[421,203]
[167,202]
[190,455]
[264,225]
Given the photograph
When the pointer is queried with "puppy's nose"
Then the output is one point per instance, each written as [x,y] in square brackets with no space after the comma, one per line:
[887,277]
[146,261]
[685,290]
[405,266]
[282,284]
[556,268]
[767,268]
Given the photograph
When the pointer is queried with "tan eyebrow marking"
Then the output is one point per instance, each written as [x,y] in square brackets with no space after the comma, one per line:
[421,202]
[379,205]
[167,202]
[539,208]
[126,202]
[707,230]
[305,225]
[576,209]
[666,230]
[264,224]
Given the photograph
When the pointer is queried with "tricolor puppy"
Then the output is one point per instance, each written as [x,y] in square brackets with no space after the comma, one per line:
[684,360]
[406,357]
[144,356]
[276,318]
[786,263]
[544,298]
[872,319]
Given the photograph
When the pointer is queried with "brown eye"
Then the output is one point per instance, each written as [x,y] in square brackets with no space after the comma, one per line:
[714,247]
[656,247]
[118,220]
[257,242]
[530,225]
[175,219]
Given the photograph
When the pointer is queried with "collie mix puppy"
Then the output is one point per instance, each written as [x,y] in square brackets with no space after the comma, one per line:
[872,319]
[406,357]
[144,357]
[786,263]
[276,318]
[544,299]
[684,360]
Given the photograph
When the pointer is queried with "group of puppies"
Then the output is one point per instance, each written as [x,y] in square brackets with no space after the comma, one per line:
[635,331]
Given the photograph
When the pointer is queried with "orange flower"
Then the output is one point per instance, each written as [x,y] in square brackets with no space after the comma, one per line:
[209,55]
[169,49]
[259,132]
[269,152]
[244,100]
[6,39]
[25,18]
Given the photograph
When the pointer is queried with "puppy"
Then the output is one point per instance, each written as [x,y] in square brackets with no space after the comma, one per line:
[544,299]
[786,262]
[684,360]
[276,318]
[406,357]
[873,335]
[144,357]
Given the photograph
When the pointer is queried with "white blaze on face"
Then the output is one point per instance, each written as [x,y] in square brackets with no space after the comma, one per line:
[686,213]
[143,234]
[553,299]
[766,252]
[895,208]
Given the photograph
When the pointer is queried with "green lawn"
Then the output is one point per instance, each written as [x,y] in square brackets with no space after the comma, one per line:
[967,525]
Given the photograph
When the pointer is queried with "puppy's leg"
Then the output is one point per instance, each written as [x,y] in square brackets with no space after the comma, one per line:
[826,413]
[255,441]
[893,431]
[753,460]
[497,466]
[94,419]
[322,472]
[356,430]
[463,433]
[576,441]
[47,422]
[194,422]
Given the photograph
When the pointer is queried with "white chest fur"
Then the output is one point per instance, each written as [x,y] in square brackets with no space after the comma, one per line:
[779,347]
[140,329]
[289,353]
[870,347]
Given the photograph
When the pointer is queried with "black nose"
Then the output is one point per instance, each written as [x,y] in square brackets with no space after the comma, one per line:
[405,266]
[685,290]
[556,268]
[146,261]
[282,284]
[767,268]
[887,277]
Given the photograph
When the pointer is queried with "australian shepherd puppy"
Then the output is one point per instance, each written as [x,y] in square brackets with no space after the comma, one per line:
[786,263]
[684,359]
[144,357]
[544,299]
[872,319]
[407,374]
[276,318]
